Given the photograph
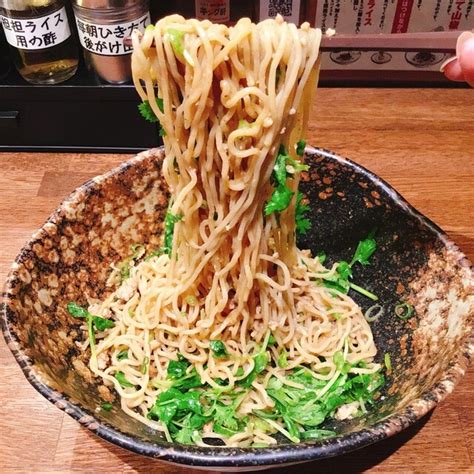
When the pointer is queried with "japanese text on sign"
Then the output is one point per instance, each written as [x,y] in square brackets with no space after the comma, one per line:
[108,40]
[214,10]
[37,33]
[288,9]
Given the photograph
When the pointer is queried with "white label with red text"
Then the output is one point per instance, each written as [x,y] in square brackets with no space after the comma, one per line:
[37,33]
[108,39]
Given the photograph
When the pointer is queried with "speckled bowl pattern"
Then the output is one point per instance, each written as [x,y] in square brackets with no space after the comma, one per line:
[70,256]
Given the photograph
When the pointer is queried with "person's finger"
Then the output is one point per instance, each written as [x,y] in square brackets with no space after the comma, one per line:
[463,37]
[452,70]
[466,60]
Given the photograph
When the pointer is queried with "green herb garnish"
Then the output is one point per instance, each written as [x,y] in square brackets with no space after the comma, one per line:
[122,355]
[300,146]
[122,380]
[147,112]
[303,224]
[282,360]
[261,360]
[101,324]
[388,362]
[126,264]
[170,221]
[106,406]
[149,115]
[218,349]
[364,250]
[282,194]
[177,368]
[340,280]
[303,410]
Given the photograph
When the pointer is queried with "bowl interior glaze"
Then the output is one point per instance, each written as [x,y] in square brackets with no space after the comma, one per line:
[70,256]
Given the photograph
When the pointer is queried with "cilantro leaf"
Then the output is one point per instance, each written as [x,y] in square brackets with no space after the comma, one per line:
[173,403]
[303,409]
[282,194]
[92,321]
[177,368]
[279,169]
[170,221]
[261,360]
[106,406]
[122,380]
[364,251]
[340,280]
[279,200]
[149,115]
[300,146]
[282,360]
[218,348]
[271,340]
[102,324]
[77,311]
[147,112]
[125,266]
[302,223]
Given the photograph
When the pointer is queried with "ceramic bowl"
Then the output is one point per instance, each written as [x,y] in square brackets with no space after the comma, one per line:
[415,262]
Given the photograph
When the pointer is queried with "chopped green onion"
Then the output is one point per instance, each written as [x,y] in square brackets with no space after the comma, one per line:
[373,313]
[144,366]
[176,39]
[106,406]
[404,311]
[388,362]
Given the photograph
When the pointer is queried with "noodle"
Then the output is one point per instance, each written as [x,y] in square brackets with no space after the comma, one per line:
[231,98]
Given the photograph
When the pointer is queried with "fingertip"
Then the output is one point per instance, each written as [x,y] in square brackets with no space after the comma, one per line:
[466,61]
[453,71]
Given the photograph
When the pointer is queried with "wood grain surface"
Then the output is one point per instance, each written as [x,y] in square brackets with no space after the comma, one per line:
[420,141]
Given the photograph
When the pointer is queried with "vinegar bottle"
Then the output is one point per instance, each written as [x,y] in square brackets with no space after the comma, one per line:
[41,45]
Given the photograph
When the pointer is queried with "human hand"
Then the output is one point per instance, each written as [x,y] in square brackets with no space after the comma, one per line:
[461,67]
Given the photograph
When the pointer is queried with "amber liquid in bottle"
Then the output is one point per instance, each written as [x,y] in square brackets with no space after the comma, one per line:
[48,65]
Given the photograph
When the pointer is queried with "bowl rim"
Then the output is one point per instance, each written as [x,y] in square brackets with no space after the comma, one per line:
[247,457]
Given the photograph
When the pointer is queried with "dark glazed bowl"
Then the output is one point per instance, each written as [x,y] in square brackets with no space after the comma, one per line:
[415,262]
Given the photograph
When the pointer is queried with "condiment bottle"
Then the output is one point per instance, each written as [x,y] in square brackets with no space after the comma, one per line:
[41,45]
[4,56]
[224,11]
[103,25]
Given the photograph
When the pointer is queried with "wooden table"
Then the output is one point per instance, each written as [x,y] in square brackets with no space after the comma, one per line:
[420,141]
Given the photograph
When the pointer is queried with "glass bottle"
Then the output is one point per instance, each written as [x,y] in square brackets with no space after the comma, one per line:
[4,57]
[41,44]
[103,25]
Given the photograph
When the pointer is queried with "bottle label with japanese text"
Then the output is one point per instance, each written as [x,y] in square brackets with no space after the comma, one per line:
[37,33]
[214,10]
[108,39]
